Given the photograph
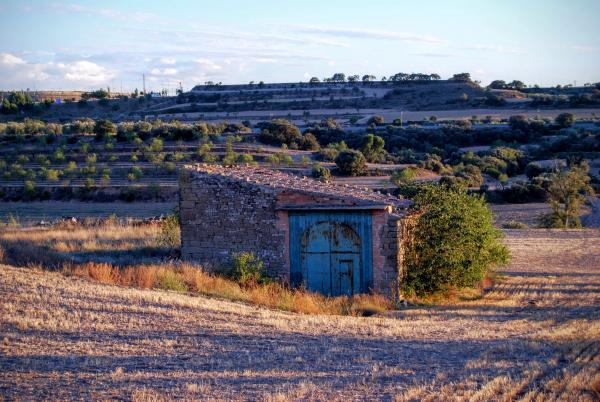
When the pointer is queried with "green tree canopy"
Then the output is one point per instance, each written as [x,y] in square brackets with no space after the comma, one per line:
[351,163]
[372,148]
[566,194]
[103,129]
[565,120]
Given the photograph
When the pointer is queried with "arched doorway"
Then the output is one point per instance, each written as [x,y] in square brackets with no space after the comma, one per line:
[330,253]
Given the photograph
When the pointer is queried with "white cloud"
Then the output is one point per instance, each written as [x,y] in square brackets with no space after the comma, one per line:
[10,60]
[165,71]
[168,60]
[19,73]
[495,48]
[86,71]
[431,54]
[137,16]
[209,65]
[366,34]
[266,60]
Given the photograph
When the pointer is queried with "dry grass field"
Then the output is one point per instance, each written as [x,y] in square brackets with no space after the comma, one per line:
[534,336]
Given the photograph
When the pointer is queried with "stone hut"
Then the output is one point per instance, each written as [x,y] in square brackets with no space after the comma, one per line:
[330,238]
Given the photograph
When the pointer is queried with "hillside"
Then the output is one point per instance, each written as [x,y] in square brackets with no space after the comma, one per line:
[536,334]
[312,102]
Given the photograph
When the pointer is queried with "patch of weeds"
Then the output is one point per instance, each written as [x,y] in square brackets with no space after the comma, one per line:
[170,280]
[248,269]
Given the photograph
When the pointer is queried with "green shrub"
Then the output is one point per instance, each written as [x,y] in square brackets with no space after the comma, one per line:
[170,280]
[52,175]
[29,190]
[512,224]
[248,268]
[404,176]
[136,173]
[351,163]
[565,120]
[246,159]
[534,169]
[169,235]
[372,148]
[104,129]
[454,243]
[321,173]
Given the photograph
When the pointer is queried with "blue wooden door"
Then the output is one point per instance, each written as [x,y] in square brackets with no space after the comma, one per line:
[315,255]
[331,251]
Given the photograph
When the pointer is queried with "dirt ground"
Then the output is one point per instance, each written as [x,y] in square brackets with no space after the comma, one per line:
[534,336]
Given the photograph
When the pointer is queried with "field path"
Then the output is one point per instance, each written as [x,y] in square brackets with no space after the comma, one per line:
[538,331]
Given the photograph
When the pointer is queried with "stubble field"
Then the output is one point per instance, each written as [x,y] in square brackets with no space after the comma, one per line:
[534,336]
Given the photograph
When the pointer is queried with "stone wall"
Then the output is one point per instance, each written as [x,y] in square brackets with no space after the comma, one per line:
[221,216]
[389,231]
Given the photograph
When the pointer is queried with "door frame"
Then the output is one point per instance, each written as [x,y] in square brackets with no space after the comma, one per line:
[359,220]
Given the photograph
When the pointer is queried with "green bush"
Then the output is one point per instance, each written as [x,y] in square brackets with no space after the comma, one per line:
[454,243]
[29,190]
[104,129]
[565,120]
[246,159]
[514,225]
[372,148]
[404,176]
[169,235]
[351,163]
[321,173]
[248,268]
[170,280]
[534,169]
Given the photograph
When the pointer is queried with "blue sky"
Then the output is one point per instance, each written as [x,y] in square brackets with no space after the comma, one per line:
[92,44]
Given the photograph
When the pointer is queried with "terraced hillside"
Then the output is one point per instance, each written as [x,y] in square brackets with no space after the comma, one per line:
[534,336]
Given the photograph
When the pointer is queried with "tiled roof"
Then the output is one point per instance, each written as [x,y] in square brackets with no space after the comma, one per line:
[278,180]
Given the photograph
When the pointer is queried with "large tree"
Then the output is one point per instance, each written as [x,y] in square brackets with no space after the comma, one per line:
[461,77]
[516,84]
[368,78]
[338,77]
[497,84]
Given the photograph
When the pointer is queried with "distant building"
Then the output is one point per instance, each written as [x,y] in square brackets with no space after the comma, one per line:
[329,238]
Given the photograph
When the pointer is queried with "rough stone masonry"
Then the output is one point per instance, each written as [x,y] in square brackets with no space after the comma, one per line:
[226,210]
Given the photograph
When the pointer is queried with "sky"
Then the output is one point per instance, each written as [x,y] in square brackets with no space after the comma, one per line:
[85,45]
